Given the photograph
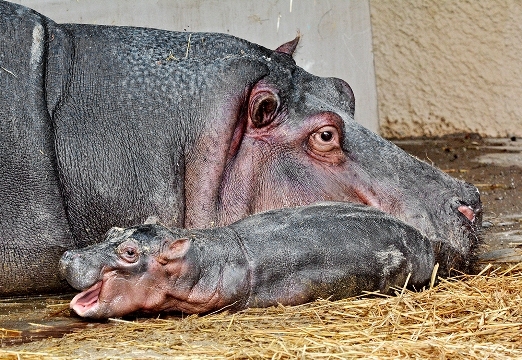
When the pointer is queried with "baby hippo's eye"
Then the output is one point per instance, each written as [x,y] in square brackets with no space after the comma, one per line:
[128,251]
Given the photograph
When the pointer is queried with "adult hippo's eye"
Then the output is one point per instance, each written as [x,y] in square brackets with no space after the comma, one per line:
[324,140]
[324,144]
[128,251]
[326,136]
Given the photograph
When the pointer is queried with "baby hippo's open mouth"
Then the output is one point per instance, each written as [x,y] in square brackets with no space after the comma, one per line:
[86,300]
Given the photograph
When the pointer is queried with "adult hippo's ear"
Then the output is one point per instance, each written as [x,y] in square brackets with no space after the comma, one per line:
[263,106]
[264,101]
[289,47]
[172,249]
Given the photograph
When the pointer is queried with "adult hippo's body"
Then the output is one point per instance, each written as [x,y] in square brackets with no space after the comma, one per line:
[106,126]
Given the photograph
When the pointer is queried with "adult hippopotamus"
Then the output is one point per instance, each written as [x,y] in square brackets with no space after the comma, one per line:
[106,126]
[287,256]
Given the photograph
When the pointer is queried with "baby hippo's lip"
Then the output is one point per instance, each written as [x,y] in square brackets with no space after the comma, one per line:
[86,300]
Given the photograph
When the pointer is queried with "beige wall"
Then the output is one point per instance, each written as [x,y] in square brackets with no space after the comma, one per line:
[448,66]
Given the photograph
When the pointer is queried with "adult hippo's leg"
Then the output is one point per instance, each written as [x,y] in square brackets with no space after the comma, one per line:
[34,231]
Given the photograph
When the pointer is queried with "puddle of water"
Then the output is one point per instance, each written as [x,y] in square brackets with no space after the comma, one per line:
[510,238]
[503,240]
[28,319]
[497,219]
[501,159]
[498,142]
[509,255]
[509,156]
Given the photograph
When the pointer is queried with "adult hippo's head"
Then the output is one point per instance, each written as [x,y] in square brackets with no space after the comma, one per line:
[295,142]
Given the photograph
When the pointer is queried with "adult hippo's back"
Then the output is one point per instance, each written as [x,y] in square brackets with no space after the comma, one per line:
[106,126]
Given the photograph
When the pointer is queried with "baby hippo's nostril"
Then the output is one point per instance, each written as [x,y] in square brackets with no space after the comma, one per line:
[468,212]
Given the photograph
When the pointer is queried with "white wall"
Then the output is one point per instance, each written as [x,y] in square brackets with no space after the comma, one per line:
[336,35]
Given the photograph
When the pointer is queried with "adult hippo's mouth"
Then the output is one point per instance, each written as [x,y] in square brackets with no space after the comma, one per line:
[454,230]
[468,212]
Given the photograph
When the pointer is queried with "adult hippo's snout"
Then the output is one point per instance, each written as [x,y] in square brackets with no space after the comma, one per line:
[470,210]
[453,222]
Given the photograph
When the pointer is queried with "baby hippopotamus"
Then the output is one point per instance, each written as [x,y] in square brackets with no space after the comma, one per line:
[287,256]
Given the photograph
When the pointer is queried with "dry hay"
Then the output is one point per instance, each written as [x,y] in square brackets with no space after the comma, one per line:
[469,317]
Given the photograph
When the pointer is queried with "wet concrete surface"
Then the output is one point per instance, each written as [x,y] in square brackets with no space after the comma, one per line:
[29,319]
[493,165]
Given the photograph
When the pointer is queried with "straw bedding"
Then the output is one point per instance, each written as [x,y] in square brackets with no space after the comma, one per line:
[468,317]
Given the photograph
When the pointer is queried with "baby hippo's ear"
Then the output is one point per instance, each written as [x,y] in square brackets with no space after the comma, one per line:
[172,249]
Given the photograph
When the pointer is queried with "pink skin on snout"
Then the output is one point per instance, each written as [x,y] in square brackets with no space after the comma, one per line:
[118,294]
[467,212]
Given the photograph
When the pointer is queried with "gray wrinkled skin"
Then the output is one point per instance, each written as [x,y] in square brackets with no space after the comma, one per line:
[106,126]
[288,256]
